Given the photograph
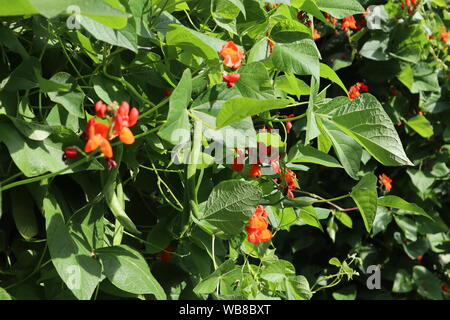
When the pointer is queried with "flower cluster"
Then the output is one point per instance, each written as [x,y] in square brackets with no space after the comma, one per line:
[356,90]
[409,5]
[257,228]
[232,58]
[385,182]
[265,155]
[348,23]
[99,134]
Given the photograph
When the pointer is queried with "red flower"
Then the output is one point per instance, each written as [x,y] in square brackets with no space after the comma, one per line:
[419,258]
[230,79]
[348,23]
[257,228]
[232,56]
[167,93]
[97,134]
[254,171]
[386,182]
[444,287]
[355,90]
[300,15]
[100,109]
[124,120]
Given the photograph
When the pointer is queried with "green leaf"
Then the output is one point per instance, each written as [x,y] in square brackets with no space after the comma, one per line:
[340,9]
[290,84]
[344,218]
[300,57]
[4,295]
[365,120]
[382,220]
[71,101]
[255,82]
[125,37]
[335,262]
[237,109]
[402,282]
[421,125]
[328,73]
[309,216]
[365,196]
[298,288]
[230,204]
[192,42]
[210,283]
[301,153]
[347,293]
[408,226]
[399,203]
[277,271]
[80,272]
[37,157]
[127,269]
[108,90]
[428,285]
[348,151]
[23,214]
[178,125]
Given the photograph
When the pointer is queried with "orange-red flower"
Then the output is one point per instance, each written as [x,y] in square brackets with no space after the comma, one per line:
[254,171]
[232,56]
[124,120]
[100,109]
[230,78]
[271,44]
[257,228]
[386,182]
[355,90]
[97,133]
[444,35]
[349,23]
[316,34]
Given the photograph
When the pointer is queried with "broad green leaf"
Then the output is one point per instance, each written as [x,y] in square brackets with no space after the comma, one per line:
[399,203]
[178,125]
[301,57]
[125,37]
[127,269]
[328,73]
[32,130]
[311,7]
[23,214]
[408,226]
[365,196]
[348,151]
[301,153]
[347,293]
[188,40]
[344,218]
[382,220]
[375,48]
[71,101]
[340,9]
[230,204]
[37,157]
[290,84]
[309,216]
[238,108]
[210,283]
[428,285]
[365,120]
[420,179]
[298,288]
[421,125]
[80,272]
[255,82]
[4,295]
[108,90]
[277,271]
[402,282]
